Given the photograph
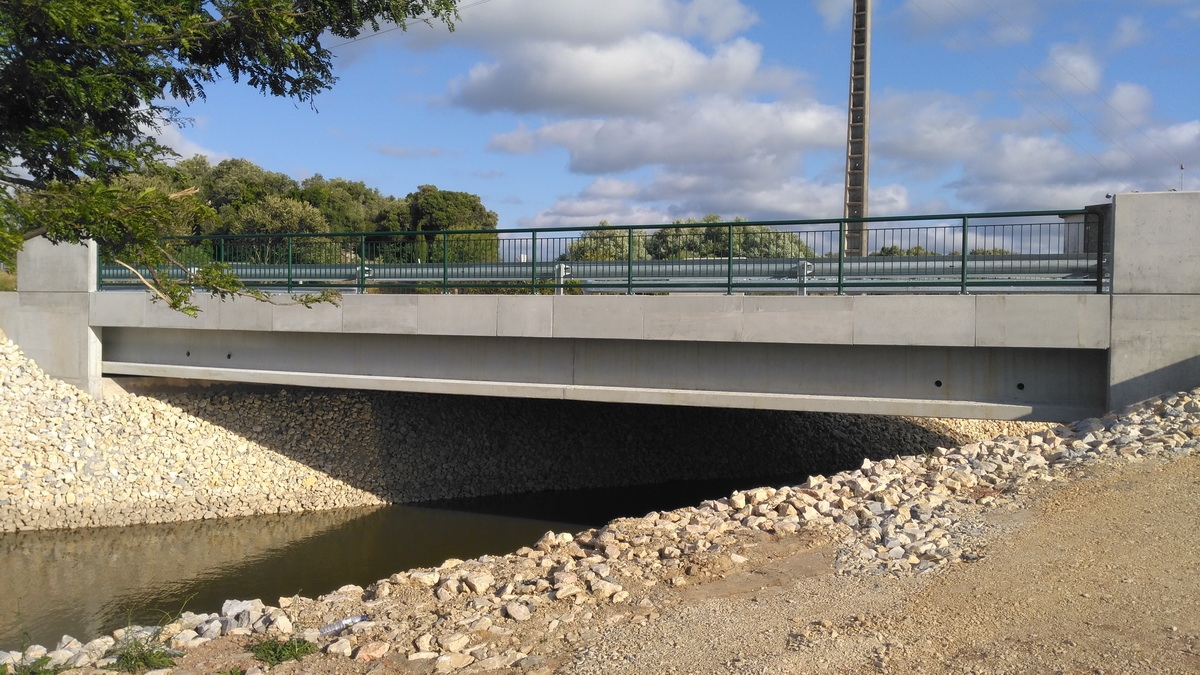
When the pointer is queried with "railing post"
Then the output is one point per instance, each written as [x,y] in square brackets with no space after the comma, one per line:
[629,261]
[445,262]
[966,223]
[362,264]
[841,282]
[533,263]
[729,268]
[290,238]
[1101,226]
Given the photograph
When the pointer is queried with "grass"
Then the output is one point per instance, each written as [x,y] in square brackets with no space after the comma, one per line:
[141,654]
[8,282]
[274,652]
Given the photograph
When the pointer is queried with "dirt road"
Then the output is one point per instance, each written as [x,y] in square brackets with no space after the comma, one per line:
[1099,575]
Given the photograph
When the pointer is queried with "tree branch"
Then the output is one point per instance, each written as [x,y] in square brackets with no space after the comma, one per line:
[145,282]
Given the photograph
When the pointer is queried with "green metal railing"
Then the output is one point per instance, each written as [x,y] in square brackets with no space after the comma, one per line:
[1034,250]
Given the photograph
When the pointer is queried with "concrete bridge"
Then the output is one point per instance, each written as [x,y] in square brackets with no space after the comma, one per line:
[1049,356]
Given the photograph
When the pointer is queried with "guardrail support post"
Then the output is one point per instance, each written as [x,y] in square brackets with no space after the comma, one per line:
[729,266]
[289,263]
[362,264]
[533,263]
[966,222]
[841,282]
[629,261]
[445,263]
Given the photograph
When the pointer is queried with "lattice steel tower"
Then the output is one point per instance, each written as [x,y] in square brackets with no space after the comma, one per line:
[858,128]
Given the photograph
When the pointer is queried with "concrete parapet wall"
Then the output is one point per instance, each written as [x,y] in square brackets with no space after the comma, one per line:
[1052,321]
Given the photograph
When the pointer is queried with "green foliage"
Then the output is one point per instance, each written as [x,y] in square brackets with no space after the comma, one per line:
[274,652]
[431,209]
[136,655]
[84,86]
[991,251]
[8,281]
[607,244]
[897,251]
[351,206]
[749,241]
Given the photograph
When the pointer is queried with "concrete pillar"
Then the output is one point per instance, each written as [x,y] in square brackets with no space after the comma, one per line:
[1155,340]
[48,316]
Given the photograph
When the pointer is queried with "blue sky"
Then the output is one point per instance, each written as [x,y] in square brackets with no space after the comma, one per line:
[569,112]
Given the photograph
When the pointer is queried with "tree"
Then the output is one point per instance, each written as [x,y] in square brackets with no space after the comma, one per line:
[607,244]
[749,241]
[434,210]
[83,89]
[348,206]
[890,251]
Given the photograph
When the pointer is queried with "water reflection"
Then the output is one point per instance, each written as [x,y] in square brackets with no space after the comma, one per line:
[89,582]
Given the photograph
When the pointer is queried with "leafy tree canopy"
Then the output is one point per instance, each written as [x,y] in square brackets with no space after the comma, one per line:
[85,84]
[607,244]
[749,241]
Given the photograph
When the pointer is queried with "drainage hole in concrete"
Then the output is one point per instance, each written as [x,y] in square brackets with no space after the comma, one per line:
[937,383]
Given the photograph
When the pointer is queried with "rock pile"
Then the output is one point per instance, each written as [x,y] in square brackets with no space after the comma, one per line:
[70,460]
[905,515]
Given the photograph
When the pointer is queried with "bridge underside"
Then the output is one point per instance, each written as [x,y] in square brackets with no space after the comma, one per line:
[937,381]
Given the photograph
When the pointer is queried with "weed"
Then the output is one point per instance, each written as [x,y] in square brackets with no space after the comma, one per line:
[144,648]
[8,282]
[138,654]
[273,652]
[232,670]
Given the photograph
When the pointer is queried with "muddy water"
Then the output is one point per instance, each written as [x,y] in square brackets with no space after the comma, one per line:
[86,583]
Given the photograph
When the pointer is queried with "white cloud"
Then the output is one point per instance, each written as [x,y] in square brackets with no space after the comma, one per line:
[966,22]
[833,12]
[926,132]
[1130,105]
[638,74]
[715,132]
[172,137]
[716,20]
[1129,32]
[1072,69]
[585,22]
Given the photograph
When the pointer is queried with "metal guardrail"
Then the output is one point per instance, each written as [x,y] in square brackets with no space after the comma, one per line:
[940,253]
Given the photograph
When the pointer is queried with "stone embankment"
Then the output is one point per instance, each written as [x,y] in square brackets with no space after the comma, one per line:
[900,516]
[71,460]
